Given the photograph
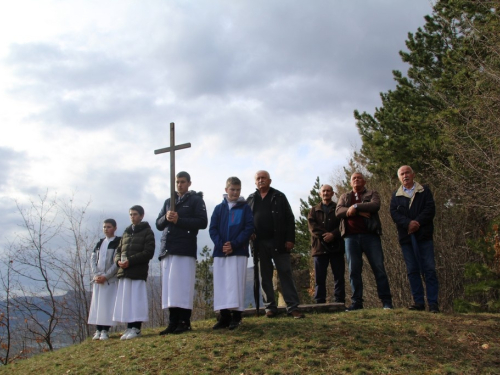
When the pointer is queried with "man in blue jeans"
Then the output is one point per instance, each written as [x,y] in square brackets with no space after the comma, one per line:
[361,229]
[413,210]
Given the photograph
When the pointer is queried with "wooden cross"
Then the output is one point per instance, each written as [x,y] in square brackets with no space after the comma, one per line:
[172,150]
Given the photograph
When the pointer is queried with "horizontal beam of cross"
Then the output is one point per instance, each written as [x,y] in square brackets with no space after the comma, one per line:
[168,149]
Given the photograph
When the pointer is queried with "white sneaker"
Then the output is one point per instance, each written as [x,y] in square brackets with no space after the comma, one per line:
[97,335]
[104,335]
[134,332]
[125,334]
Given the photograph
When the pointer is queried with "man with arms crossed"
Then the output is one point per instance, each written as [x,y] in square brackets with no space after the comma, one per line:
[360,226]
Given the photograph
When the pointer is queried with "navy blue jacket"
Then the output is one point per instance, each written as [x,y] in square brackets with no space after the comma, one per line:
[180,238]
[234,225]
[420,208]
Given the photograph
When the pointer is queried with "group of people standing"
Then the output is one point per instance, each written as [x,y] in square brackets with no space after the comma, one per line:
[351,226]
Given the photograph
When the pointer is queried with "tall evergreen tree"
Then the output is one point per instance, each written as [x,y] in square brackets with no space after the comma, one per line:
[302,234]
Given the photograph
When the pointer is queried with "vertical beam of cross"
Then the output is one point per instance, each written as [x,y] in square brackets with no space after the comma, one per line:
[172,150]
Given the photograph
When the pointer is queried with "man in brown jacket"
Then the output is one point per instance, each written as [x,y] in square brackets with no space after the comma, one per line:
[361,230]
[327,246]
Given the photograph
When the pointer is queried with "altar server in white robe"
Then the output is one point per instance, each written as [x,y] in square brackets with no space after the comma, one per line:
[104,268]
[136,249]
[178,252]
[231,226]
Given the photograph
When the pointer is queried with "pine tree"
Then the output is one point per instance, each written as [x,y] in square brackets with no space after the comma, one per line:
[302,234]
[204,287]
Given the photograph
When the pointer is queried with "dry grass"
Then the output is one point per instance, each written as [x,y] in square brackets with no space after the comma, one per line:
[363,342]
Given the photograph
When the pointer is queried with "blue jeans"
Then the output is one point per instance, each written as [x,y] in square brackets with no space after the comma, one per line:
[355,246]
[421,261]
[337,264]
[267,255]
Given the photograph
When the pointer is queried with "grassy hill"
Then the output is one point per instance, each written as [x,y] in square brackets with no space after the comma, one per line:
[363,342]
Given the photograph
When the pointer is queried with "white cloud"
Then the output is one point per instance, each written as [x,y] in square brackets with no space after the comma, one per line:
[88,89]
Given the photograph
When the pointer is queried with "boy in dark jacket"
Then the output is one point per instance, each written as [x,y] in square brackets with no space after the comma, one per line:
[178,253]
[231,226]
[136,249]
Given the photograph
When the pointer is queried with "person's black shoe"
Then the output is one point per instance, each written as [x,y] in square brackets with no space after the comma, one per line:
[354,307]
[417,307]
[434,308]
[222,323]
[182,327]
[170,329]
[235,323]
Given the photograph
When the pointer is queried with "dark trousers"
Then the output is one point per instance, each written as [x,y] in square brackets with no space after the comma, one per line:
[419,259]
[134,325]
[355,246]
[337,264]
[268,255]
[103,328]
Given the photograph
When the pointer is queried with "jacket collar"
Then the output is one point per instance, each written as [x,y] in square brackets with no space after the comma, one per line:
[139,227]
[319,206]
[418,189]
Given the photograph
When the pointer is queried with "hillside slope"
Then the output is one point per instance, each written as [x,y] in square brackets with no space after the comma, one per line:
[364,342]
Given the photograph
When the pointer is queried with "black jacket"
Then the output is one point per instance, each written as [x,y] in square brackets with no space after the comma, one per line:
[180,238]
[283,219]
[139,246]
[420,208]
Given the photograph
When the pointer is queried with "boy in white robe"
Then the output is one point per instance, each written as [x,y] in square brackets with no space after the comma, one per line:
[178,252]
[231,226]
[104,281]
[136,249]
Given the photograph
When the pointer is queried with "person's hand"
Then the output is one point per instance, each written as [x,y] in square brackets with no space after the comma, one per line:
[289,246]
[172,216]
[413,227]
[227,248]
[351,211]
[328,237]
[364,214]
[100,279]
[123,264]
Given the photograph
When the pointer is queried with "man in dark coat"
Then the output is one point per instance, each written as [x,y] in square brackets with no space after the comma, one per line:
[327,246]
[413,210]
[274,240]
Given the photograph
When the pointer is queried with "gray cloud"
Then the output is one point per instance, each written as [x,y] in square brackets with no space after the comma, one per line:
[248,76]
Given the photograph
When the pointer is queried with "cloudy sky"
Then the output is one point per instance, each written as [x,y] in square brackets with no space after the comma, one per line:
[88,89]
